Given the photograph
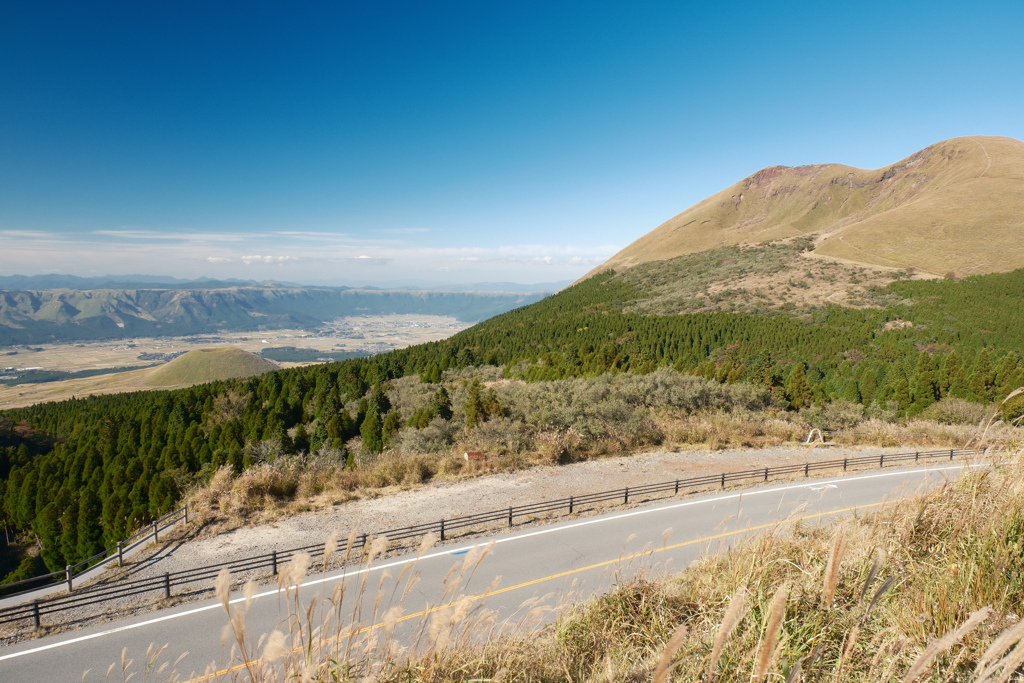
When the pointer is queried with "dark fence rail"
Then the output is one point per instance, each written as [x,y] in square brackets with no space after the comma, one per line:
[149,532]
[164,585]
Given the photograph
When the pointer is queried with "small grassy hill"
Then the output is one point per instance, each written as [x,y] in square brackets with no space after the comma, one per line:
[194,367]
[954,207]
[207,365]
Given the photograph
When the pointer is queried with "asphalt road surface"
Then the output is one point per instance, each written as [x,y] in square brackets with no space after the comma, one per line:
[509,575]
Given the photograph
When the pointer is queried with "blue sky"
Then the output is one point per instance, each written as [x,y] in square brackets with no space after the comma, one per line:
[451,142]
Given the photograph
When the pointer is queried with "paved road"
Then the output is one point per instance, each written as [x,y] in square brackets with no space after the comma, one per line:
[575,558]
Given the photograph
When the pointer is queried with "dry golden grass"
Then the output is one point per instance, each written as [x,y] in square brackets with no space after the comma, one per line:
[288,486]
[195,367]
[207,365]
[927,588]
[958,197]
[755,279]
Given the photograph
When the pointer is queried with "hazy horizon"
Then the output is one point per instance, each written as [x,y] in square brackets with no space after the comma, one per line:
[388,143]
[158,278]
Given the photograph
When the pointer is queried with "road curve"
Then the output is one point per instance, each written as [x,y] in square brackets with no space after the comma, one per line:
[575,558]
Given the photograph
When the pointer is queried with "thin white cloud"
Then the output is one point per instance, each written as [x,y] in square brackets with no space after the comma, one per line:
[306,257]
[133,234]
[202,237]
[364,259]
[249,259]
[27,234]
[312,236]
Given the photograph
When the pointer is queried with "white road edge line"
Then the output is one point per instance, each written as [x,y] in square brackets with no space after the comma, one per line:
[343,574]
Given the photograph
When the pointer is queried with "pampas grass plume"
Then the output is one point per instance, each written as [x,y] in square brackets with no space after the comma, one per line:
[734,614]
[776,615]
[674,643]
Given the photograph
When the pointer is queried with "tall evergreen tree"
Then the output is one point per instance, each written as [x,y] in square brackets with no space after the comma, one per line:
[1008,375]
[924,390]
[441,404]
[474,408]
[390,428]
[372,432]
[983,378]
[89,533]
[851,391]
[901,397]
[949,367]
[798,391]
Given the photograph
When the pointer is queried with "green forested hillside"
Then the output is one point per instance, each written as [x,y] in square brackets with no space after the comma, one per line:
[79,474]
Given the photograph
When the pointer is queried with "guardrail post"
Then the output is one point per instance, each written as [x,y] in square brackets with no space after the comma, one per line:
[33,609]
[184,508]
[273,563]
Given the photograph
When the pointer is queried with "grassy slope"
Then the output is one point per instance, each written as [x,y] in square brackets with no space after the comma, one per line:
[207,365]
[955,206]
[949,555]
[924,588]
[754,279]
[973,225]
[195,367]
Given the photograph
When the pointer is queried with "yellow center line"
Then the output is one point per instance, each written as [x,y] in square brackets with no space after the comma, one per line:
[570,572]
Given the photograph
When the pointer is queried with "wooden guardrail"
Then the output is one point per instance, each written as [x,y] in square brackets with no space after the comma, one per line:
[163,586]
[67,575]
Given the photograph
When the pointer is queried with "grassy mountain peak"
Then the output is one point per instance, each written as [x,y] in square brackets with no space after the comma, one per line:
[954,207]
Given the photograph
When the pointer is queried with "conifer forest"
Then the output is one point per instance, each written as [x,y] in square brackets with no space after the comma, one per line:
[78,475]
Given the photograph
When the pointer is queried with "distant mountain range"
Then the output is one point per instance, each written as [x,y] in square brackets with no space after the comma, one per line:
[32,316]
[56,281]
